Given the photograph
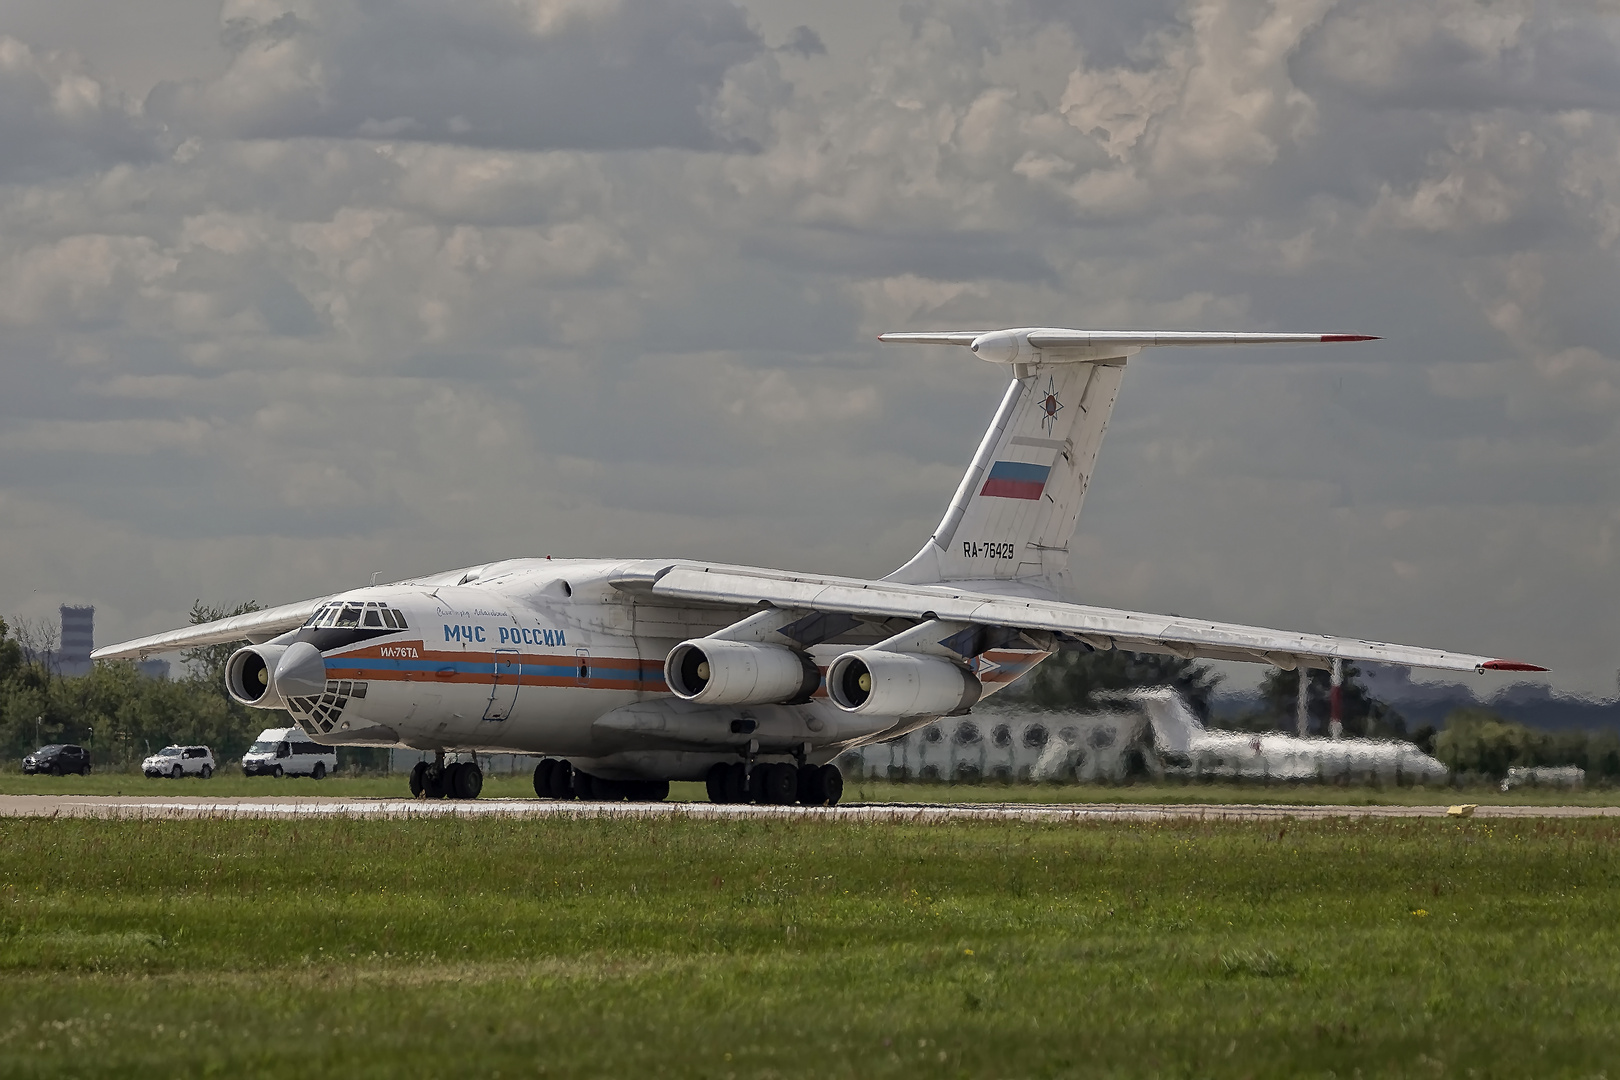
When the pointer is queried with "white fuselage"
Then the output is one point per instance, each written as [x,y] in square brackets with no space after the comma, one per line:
[545,656]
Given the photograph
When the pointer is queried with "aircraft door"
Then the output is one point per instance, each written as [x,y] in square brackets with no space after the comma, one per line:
[582,665]
[503,688]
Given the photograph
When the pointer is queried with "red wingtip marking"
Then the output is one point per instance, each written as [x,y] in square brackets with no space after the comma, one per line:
[1510,665]
[1349,337]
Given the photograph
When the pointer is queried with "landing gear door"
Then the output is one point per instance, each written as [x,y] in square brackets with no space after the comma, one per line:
[503,690]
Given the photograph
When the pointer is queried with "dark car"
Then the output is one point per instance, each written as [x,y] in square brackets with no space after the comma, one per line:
[58,758]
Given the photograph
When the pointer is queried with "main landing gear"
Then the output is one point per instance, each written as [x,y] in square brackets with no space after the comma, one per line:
[555,779]
[775,783]
[437,780]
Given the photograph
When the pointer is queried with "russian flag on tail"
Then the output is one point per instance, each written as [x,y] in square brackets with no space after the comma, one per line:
[1016,480]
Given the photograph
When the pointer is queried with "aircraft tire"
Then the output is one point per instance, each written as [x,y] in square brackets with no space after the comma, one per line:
[779,784]
[584,786]
[651,791]
[562,781]
[715,782]
[809,777]
[832,785]
[736,783]
[418,779]
[438,781]
[542,778]
[467,780]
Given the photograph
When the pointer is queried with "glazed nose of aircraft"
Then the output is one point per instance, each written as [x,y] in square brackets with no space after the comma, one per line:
[301,672]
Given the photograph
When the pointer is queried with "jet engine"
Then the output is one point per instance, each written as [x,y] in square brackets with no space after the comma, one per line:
[250,675]
[715,671]
[880,683]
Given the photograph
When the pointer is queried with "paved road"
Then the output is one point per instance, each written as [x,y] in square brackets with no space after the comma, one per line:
[130,807]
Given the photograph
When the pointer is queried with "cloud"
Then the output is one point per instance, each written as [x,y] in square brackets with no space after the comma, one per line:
[584,74]
[57,118]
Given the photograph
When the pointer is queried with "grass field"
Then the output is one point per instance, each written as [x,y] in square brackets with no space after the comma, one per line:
[231,783]
[803,948]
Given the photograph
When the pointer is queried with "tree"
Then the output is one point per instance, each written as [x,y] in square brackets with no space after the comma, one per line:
[207,662]
[1363,715]
[1072,680]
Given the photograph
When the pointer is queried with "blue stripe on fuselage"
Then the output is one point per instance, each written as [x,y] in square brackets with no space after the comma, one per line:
[469,667]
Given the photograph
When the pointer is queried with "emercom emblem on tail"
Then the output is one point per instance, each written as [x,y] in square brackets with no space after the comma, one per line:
[1016,509]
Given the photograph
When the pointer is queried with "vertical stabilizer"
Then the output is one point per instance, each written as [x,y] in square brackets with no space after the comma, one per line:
[1015,511]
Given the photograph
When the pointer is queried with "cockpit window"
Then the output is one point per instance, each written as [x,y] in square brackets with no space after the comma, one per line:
[372,614]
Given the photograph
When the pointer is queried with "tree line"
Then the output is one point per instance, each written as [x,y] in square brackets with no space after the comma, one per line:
[120,714]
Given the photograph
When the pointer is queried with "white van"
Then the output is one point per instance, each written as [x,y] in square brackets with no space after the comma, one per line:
[287,752]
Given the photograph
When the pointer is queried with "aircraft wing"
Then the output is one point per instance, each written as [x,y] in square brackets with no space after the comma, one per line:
[1096,627]
[253,625]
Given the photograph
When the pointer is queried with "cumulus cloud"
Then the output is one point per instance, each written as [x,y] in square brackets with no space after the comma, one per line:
[540,74]
[57,118]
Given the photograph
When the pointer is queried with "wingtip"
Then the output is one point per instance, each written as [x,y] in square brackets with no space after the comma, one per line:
[1510,665]
[1350,337]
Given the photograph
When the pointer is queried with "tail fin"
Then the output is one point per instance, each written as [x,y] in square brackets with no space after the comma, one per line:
[1016,509]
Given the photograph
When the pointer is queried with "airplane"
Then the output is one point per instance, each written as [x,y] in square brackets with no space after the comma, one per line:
[627,674]
[1187,748]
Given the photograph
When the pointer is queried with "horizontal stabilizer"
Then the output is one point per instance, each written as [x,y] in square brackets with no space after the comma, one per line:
[1035,344]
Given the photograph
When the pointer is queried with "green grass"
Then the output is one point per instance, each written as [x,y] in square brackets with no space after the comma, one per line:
[1201,792]
[804,948]
[231,783]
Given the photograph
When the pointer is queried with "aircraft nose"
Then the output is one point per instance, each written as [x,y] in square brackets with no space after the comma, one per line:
[301,672]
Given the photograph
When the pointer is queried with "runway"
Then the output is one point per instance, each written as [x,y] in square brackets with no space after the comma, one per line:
[97,806]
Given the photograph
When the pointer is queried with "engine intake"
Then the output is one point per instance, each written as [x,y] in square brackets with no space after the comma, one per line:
[715,671]
[250,676]
[874,682]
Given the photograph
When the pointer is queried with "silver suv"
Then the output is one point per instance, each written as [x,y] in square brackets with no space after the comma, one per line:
[177,761]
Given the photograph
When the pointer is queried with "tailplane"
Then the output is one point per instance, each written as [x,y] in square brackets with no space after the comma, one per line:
[1015,511]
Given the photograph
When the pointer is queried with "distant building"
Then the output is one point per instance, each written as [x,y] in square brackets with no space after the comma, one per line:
[78,640]
[153,669]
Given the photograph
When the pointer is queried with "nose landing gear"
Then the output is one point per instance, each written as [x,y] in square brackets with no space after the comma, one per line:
[437,780]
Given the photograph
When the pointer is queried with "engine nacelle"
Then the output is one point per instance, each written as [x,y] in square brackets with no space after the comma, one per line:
[715,671]
[879,683]
[250,676]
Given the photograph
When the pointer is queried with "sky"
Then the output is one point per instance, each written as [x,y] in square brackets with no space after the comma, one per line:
[297,291]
